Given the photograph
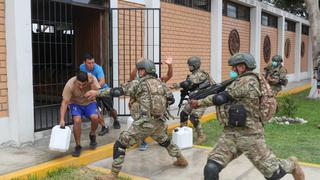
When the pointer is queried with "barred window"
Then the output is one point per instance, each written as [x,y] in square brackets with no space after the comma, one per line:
[197,4]
[290,26]
[305,29]
[269,20]
[235,10]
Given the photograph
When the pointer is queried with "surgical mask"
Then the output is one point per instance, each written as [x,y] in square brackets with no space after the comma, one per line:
[233,74]
[137,76]
[274,64]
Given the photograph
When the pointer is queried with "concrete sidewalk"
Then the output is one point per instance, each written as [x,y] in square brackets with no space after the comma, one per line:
[16,158]
[156,164]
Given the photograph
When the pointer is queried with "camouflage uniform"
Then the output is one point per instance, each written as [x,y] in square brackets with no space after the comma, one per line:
[277,74]
[248,139]
[197,77]
[145,123]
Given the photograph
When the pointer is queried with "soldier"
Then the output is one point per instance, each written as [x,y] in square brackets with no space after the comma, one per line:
[276,74]
[191,84]
[238,110]
[317,73]
[148,111]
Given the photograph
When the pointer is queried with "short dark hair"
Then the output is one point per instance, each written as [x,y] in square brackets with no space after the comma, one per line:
[87,55]
[82,76]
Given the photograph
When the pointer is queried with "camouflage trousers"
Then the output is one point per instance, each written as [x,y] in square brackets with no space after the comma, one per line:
[194,116]
[138,131]
[233,143]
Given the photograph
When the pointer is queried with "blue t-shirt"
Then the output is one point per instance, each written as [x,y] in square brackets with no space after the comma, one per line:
[97,71]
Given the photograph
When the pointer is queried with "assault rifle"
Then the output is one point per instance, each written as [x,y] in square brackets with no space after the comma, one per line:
[214,89]
[187,88]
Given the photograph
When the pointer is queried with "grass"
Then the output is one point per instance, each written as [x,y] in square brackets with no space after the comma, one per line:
[72,173]
[300,140]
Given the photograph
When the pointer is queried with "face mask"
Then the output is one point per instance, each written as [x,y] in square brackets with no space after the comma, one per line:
[274,64]
[233,74]
[137,76]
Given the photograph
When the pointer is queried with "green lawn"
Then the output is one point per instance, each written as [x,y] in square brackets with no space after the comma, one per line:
[73,173]
[301,140]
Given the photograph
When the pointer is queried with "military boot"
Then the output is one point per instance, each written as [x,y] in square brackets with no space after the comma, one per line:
[297,172]
[201,137]
[181,162]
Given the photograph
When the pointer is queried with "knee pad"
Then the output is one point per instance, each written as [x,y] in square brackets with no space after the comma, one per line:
[165,143]
[183,116]
[212,170]
[118,149]
[278,174]
[194,120]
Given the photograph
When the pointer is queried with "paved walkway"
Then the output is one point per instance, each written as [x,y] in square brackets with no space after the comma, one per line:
[15,158]
[156,164]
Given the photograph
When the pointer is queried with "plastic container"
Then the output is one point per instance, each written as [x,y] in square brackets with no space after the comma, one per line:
[129,121]
[60,139]
[182,137]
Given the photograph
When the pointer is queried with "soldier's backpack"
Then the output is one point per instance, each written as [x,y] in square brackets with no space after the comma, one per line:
[158,94]
[268,103]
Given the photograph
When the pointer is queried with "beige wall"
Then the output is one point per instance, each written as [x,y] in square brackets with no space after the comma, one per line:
[289,62]
[304,59]
[273,35]
[243,28]
[3,65]
[185,32]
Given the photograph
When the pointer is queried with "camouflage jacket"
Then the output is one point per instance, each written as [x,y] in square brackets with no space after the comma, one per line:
[317,69]
[146,94]
[196,77]
[276,73]
[245,90]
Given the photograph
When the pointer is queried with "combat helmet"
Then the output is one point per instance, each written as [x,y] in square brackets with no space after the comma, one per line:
[277,58]
[245,58]
[147,65]
[195,62]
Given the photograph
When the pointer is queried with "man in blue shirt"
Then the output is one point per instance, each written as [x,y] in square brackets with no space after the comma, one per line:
[90,66]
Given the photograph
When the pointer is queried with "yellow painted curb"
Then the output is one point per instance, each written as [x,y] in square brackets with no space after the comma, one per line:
[202,147]
[41,170]
[108,171]
[310,164]
[294,90]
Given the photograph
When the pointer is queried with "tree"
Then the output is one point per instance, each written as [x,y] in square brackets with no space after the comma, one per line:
[314,19]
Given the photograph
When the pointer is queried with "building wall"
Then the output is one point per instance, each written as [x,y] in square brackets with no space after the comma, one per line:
[3,65]
[243,28]
[185,32]
[304,59]
[289,62]
[273,35]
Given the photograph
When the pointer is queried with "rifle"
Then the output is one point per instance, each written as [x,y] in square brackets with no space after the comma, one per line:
[183,94]
[214,89]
